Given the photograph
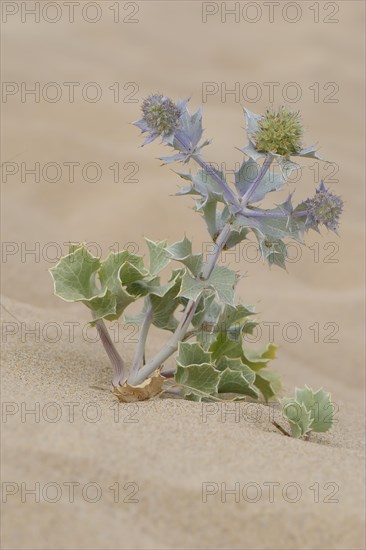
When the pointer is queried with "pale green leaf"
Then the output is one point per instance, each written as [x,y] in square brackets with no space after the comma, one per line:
[210,217]
[258,360]
[192,354]
[320,406]
[159,257]
[74,276]
[109,275]
[222,281]
[165,306]
[236,364]
[274,251]
[104,307]
[269,383]
[234,381]
[298,416]
[201,380]
[132,270]
[224,347]
[181,251]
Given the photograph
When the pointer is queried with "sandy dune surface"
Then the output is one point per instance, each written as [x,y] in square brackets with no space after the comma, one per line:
[157,475]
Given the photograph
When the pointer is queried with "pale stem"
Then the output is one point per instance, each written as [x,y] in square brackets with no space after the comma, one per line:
[140,350]
[215,254]
[115,358]
[172,345]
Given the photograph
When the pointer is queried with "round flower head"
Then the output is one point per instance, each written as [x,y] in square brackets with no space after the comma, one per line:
[279,132]
[160,114]
[324,208]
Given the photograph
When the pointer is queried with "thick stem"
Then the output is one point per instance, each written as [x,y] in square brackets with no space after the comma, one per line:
[249,193]
[115,358]
[140,350]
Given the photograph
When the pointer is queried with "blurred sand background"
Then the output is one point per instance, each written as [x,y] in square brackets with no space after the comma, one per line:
[169,452]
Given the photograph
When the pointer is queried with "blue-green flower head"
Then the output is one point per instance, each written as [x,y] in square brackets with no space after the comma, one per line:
[160,114]
[279,132]
[324,208]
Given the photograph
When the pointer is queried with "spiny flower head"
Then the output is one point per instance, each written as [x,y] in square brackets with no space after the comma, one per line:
[160,114]
[324,208]
[279,132]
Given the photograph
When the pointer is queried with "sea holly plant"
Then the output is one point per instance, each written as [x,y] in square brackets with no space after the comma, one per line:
[196,302]
[308,411]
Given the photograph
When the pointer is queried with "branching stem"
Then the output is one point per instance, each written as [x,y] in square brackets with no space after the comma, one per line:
[171,347]
[236,207]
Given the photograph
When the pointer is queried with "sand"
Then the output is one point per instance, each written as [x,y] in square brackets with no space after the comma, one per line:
[175,462]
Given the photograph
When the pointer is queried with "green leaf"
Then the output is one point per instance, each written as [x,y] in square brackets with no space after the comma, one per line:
[181,251]
[222,281]
[132,270]
[234,381]
[258,360]
[298,417]
[201,380]
[144,287]
[308,411]
[165,306]
[104,307]
[223,346]
[210,217]
[74,276]
[159,257]
[236,236]
[233,318]
[206,311]
[320,406]
[192,354]
[273,251]
[76,279]
[164,300]
[236,374]
[73,247]
[109,275]
[236,364]
[269,383]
